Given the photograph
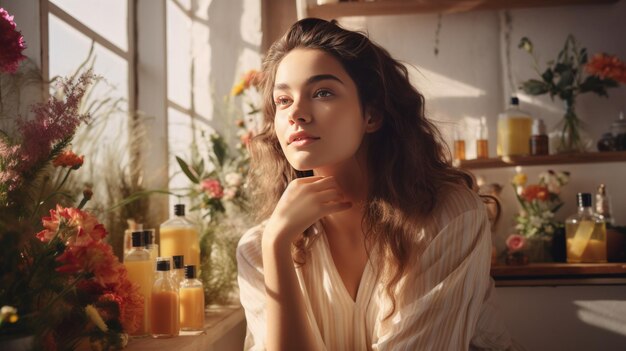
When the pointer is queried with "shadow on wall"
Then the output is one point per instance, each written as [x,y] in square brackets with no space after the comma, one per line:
[566,318]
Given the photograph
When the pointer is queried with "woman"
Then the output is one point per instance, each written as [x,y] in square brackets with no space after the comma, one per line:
[372,240]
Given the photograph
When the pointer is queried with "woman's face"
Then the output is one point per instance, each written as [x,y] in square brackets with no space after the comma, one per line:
[319,121]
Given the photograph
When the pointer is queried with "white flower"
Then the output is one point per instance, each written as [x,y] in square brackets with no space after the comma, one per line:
[233,179]
[535,221]
[229,193]
[95,317]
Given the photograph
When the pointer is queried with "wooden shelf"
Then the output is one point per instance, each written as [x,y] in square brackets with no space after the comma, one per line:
[559,274]
[399,7]
[508,161]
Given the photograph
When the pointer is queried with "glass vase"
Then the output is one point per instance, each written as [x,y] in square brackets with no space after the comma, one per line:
[539,248]
[569,135]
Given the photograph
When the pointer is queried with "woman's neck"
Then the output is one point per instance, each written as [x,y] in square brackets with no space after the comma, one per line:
[352,179]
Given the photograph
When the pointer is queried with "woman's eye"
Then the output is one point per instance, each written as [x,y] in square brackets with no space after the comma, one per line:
[282,101]
[323,93]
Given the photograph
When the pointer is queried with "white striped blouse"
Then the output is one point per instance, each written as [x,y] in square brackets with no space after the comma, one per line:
[445,301]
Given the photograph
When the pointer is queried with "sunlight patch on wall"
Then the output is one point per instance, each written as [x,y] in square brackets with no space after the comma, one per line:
[603,314]
[434,85]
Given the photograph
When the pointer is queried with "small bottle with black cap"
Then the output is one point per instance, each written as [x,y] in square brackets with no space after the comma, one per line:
[140,270]
[585,232]
[191,301]
[165,302]
[178,273]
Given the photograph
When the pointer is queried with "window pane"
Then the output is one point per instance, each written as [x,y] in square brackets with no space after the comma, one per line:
[106,17]
[68,50]
[178,56]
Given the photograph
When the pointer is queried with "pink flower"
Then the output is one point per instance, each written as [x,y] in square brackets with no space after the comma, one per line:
[11,42]
[77,227]
[212,188]
[54,121]
[515,242]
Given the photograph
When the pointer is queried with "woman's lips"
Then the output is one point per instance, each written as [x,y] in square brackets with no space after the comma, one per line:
[304,141]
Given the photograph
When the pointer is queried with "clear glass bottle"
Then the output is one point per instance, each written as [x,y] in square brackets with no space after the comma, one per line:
[151,246]
[482,139]
[603,205]
[191,301]
[514,129]
[140,271]
[165,303]
[180,236]
[585,233]
[539,139]
[178,273]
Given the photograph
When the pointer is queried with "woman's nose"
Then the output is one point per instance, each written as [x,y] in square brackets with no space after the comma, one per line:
[299,114]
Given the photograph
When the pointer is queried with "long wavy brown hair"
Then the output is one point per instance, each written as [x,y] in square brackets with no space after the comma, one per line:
[407,160]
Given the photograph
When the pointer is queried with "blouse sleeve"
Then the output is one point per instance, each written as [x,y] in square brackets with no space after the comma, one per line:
[252,288]
[440,302]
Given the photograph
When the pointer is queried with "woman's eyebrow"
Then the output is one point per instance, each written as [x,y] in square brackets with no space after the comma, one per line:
[310,80]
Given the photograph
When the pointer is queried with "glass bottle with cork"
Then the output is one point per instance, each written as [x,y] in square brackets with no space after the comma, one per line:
[459,145]
[482,141]
[140,271]
[180,236]
[585,233]
[165,303]
[514,129]
[191,301]
[538,142]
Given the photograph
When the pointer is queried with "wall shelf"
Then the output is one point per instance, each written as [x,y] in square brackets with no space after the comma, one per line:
[399,7]
[509,161]
[554,274]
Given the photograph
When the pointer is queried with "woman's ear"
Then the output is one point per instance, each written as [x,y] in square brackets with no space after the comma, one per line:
[373,122]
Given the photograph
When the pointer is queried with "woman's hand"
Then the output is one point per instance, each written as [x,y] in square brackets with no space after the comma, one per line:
[304,201]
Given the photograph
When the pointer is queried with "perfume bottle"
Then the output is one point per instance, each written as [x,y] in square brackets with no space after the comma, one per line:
[603,205]
[140,271]
[165,303]
[191,301]
[180,236]
[482,143]
[585,233]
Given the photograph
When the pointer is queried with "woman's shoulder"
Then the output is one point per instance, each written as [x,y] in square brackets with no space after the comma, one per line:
[249,246]
[455,200]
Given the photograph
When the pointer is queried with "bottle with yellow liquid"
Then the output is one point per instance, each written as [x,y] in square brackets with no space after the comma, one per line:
[514,130]
[140,271]
[585,233]
[180,236]
[191,301]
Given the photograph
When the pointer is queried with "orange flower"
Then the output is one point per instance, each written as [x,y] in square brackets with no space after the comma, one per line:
[607,66]
[68,159]
[535,192]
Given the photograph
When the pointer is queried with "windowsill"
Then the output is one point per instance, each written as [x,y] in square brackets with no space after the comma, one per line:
[220,321]
[556,274]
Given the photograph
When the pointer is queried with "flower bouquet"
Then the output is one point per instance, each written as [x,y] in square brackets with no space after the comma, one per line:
[515,246]
[568,76]
[539,202]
